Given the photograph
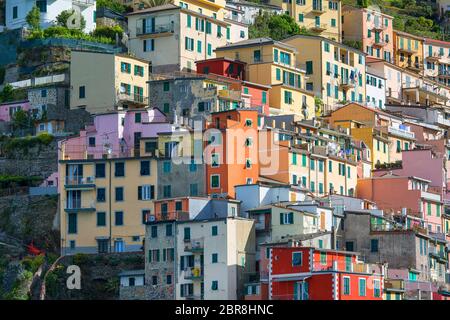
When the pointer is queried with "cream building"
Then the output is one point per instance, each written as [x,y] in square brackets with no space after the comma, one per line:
[335,72]
[173,36]
[102,82]
[274,63]
[320,16]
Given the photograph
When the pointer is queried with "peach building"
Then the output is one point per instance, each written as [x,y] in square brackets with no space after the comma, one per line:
[416,198]
[372,29]
[231,151]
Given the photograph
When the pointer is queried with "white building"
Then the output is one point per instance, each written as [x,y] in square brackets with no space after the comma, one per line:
[17,10]
[246,12]
[375,89]
[199,259]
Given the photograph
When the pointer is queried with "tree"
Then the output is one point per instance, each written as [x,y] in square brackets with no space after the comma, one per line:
[21,120]
[33,18]
[63,19]
[277,27]
[7,94]
[155,3]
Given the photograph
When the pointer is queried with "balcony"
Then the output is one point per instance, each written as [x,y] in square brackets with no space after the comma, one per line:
[77,182]
[416,66]
[317,9]
[444,74]
[78,206]
[379,43]
[159,30]
[318,27]
[401,132]
[194,245]
[434,57]
[173,215]
[430,196]
[379,27]
[357,267]
[234,95]
[346,84]
[84,3]
[133,98]
[407,50]
[396,285]
[195,273]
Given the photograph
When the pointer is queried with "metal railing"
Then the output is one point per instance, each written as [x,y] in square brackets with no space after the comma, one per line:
[79,205]
[84,2]
[136,98]
[78,180]
[193,245]
[401,132]
[193,273]
[158,29]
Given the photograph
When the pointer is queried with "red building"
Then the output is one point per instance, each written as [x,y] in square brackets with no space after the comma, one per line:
[253,95]
[223,67]
[306,273]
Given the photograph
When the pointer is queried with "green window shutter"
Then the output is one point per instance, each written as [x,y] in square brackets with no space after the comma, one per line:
[291,217]
[278,74]
[281,218]
[275,55]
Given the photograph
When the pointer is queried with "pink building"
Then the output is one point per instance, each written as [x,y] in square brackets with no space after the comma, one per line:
[8,109]
[115,134]
[401,194]
[373,29]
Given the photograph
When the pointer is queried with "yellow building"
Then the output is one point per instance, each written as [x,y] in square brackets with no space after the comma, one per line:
[102,82]
[385,135]
[103,203]
[335,72]
[274,63]
[320,16]
[408,51]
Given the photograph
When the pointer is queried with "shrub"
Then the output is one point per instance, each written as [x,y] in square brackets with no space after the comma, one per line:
[80,259]
[32,264]
[108,32]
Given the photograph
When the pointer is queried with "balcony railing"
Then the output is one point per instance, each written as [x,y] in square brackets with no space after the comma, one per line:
[394,284]
[193,245]
[379,26]
[134,98]
[173,215]
[346,84]
[158,29]
[79,181]
[380,43]
[318,27]
[441,120]
[194,273]
[78,205]
[401,132]
[342,266]
[84,3]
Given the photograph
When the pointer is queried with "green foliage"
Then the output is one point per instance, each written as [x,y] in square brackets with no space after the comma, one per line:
[155,3]
[32,264]
[19,291]
[7,181]
[2,74]
[108,32]
[63,32]
[11,145]
[33,18]
[111,4]
[277,27]
[63,17]
[9,94]
[112,285]
[364,3]
[353,43]
[22,120]
[80,259]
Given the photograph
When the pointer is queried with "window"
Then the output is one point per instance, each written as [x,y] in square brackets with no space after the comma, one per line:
[257,56]
[215,285]
[72,223]
[146,192]
[167,191]
[215,160]
[209,46]
[125,67]
[187,233]
[169,230]
[309,67]
[215,181]
[119,194]
[300,17]
[101,219]
[169,279]
[199,46]
[137,117]
[193,189]
[374,245]
[264,97]
[166,86]
[154,231]
[82,92]
[333,22]
[297,258]
[101,194]
[214,258]
[145,168]
[376,288]
[362,287]
[286,218]
[119,169]
[138,71]
[99,170]
[118,218]
[346,286]
[288,97]
[330,166]
[15,12]
[214,230]
[323,258]
[167,166]
[154,280]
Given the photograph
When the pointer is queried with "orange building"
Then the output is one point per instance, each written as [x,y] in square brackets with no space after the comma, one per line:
[231,151]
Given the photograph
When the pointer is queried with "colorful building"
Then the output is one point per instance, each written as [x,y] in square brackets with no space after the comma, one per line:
[231,152]
[336,72]
[319,16]
[416,198]
[436,56]
[275,64]
[173,36]
[199,259]
[103,82]
[307,273]
[371,29]
[8,109]
[408,51]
